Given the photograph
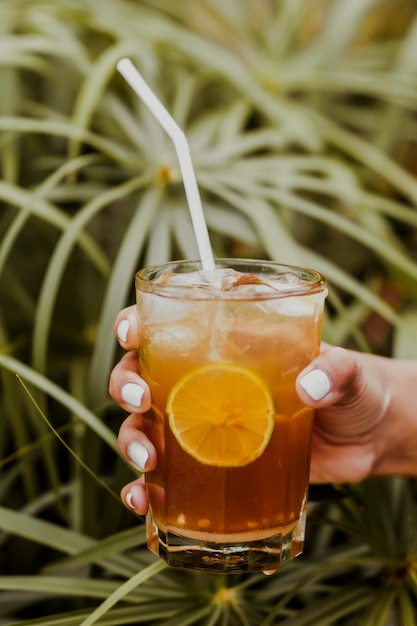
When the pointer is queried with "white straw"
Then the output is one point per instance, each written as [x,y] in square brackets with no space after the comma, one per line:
[138,84]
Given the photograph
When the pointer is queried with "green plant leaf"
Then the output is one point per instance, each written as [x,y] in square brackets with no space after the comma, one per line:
[54,274]
[47,386]
[405,339]
[124,269]
[115,544]
[123,590]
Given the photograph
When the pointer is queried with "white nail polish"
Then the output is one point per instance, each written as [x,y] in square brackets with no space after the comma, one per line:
[133,394]
[138,454]
[129,500]
[122,330]
[316,384]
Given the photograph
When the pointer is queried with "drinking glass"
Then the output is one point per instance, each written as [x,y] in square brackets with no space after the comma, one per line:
[221,351]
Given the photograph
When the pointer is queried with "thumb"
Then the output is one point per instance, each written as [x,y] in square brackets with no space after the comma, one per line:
[348,391]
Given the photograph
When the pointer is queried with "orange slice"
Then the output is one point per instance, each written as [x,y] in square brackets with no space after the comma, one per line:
[221,414]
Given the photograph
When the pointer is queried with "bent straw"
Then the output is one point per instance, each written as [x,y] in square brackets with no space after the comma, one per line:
[138,84]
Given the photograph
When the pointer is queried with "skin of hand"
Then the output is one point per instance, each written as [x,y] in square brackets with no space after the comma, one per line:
[365,423]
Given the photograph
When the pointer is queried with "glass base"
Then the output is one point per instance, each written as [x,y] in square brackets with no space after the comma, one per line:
[224,554]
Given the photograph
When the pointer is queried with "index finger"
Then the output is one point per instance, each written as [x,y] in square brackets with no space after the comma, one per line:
[126,328]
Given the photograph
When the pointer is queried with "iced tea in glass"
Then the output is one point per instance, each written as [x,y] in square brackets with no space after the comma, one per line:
[220,351]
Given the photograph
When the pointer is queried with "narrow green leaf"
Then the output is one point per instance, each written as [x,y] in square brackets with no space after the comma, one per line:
[30,203]
[407,607]
[405,338]
[370,156]
[72,404]
[93,87]
[59,258]
[324,610]
[275,238]
[395,120]
[229,223]
[78,459]
[380,608]
[123,591]
[59,585]
[341,26]
[43,532]
[58,128]
[340,605]
[388,206]
[115,544]
[159,243]
[68,168]
[116,617]
[183,233]
[122,279]
[188,615]
[229,66]
[21,435]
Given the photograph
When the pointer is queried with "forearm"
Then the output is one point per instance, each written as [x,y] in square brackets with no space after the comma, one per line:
[396,435]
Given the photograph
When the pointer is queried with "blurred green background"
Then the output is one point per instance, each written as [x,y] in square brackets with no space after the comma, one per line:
[301,120]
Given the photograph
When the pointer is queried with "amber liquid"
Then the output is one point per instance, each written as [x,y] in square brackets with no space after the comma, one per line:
[233,503]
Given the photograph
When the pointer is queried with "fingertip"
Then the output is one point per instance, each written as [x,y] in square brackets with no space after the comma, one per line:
[134,445]
[130,500]
[138,455]
[315,384]
[335,372]
[126,328]
[132,395]
[122,330]
[134,498]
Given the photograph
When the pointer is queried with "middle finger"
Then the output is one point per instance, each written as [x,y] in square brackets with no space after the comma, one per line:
[126,387]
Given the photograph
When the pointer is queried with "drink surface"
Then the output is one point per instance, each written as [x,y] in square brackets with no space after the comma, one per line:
[266,326]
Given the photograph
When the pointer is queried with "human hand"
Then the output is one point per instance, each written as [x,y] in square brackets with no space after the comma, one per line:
[351,392]
[132,393]
[350,395]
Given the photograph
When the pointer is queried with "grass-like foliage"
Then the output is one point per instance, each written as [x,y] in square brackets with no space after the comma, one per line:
[301,120]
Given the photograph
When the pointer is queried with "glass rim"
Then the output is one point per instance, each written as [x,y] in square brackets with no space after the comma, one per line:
[312,280]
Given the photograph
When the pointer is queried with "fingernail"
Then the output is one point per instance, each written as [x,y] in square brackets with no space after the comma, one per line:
[132,394]
[138,454]
[122,330]
[316,384]
[129,501]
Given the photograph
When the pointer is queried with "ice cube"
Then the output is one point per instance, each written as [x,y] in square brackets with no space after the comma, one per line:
[294,306]
[155,309]
[219,279]
[259,340]
[176,340]
[233,282]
